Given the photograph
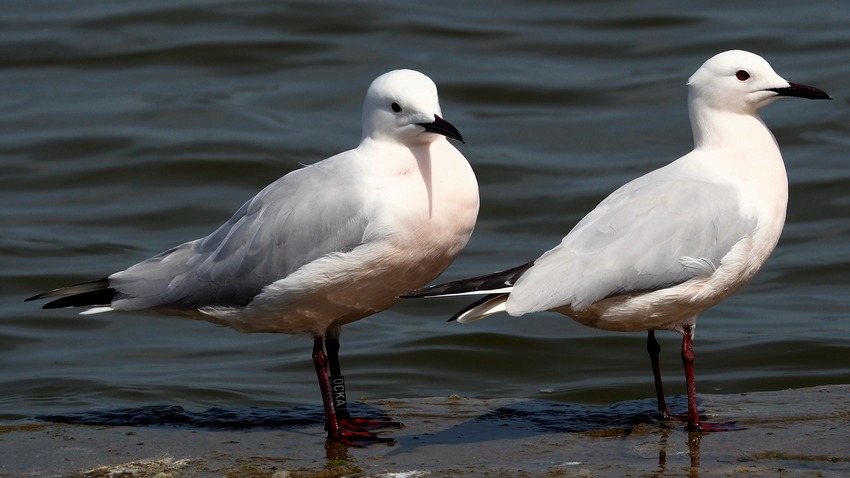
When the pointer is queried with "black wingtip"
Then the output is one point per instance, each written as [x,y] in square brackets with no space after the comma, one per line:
[91,293]
[484,283]
[101,297]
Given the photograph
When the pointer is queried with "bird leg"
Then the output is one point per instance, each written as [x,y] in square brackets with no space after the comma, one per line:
[332,424]
[688,356]
[654,349]
[340,403]
[338,428]
[320,361]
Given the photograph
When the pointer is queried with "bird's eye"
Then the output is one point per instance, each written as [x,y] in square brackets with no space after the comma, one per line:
[742,75]
[396,107]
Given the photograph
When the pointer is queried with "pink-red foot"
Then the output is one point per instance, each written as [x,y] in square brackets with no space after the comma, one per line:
[362,424]
[699,426]
[356,432]
[664,414]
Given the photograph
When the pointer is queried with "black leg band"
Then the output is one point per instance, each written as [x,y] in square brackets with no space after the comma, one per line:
[338,392]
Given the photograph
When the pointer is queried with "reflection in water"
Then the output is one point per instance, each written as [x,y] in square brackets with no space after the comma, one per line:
[662,452]
[518,420]
[336,452]
[694,440]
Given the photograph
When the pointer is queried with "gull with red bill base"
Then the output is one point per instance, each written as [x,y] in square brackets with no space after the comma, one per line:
[322,246]
[672,243]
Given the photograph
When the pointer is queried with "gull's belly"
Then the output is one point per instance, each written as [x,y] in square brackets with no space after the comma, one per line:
[675,307]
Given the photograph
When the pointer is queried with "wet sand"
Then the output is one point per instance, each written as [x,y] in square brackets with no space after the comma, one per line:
[803,432]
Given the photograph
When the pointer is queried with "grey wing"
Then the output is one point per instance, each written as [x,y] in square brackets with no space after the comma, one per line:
[654,232]
[302,216]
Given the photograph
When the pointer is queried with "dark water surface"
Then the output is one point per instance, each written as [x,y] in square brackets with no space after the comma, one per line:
[129,127]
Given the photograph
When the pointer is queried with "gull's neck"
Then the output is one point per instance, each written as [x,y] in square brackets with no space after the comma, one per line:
[739,149]
[718,129]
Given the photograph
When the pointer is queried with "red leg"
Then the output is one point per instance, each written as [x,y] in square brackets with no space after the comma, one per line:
[335,431]
[320,361]
[694,423]
[340,401]
[337,423]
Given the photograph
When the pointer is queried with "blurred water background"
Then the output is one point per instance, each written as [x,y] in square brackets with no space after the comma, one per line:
[129,127]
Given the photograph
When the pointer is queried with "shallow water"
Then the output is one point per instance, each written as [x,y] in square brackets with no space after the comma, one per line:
[453,436]
[126,128]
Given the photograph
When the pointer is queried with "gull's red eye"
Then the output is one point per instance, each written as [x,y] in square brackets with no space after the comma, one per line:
[396,107]
[742,75]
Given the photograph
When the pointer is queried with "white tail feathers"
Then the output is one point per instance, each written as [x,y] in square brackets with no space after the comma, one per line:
[483,309]
[96,310]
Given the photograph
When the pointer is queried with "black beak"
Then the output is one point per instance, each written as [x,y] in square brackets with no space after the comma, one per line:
[443,127]
[802,91]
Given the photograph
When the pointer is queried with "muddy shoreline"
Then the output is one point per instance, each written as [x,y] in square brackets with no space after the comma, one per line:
[804,432]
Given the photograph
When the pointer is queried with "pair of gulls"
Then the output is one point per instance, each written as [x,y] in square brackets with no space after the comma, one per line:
[348,236]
